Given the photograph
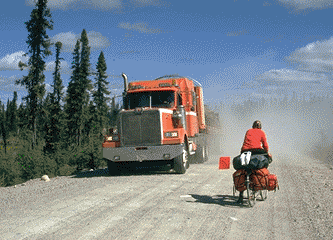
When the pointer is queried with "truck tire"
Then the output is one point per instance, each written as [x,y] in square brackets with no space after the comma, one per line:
[112,168]
[201,155]
[181,162]
[205,154]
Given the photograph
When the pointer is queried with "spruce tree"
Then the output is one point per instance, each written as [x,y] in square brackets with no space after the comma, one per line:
[7,113]
[89,118]
[57,82]
[13,114]
[47,125]
[40,121]
[22,118]
[78,89]
[52,126]
[84,82]
[39,44]
[3,126]
[9,117]
[73,98]
[99,94]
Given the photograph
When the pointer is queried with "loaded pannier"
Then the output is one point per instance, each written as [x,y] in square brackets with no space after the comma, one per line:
[239,180]
[259,179]
[272,182]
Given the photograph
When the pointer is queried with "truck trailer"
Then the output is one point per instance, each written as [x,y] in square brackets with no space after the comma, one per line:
[161,122]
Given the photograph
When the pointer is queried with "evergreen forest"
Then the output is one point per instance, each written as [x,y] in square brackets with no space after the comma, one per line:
[41,135]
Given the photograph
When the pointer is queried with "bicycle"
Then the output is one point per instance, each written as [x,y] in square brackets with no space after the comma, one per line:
[251,193]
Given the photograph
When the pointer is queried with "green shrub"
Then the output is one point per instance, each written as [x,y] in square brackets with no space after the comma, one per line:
[10,171]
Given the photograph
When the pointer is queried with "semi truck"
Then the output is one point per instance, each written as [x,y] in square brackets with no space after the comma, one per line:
[162,122]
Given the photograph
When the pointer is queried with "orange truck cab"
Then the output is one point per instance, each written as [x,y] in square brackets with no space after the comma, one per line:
[162,122]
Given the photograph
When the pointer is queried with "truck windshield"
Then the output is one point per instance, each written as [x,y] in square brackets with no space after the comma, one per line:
[160,99]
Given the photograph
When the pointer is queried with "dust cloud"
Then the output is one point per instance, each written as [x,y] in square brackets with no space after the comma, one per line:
[293,126]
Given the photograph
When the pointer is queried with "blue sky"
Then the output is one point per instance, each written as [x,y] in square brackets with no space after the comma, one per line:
[234,48]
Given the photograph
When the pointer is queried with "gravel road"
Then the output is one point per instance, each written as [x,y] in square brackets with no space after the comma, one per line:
[163,205]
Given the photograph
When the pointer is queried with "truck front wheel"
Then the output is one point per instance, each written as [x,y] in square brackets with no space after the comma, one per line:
[181,162]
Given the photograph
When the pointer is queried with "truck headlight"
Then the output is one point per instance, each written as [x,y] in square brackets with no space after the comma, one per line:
[112,138]
[171,134]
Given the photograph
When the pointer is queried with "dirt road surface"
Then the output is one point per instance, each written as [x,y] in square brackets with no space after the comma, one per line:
[154,205]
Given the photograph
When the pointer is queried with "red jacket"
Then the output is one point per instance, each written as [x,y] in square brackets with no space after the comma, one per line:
[255,139]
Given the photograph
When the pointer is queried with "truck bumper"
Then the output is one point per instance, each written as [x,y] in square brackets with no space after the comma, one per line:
[140,154]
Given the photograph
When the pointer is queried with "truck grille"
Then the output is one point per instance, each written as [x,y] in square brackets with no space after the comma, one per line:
[140,129]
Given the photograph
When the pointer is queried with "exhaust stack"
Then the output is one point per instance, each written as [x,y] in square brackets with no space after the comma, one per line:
[125,90]
[125,82]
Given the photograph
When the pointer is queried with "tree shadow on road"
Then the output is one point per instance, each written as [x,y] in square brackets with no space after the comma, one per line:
[223,200]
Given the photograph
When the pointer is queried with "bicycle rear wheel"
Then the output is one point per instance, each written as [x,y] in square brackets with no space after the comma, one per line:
[251,199]
[251,195]
[263,194]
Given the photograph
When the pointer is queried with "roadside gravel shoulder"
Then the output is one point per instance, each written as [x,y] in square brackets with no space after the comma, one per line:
[308,187]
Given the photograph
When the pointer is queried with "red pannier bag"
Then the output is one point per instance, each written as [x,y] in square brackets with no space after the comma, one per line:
[272,182]
[239,180]
[259,179]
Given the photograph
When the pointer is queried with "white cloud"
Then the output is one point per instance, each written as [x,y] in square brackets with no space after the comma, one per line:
[48,89]
[97,41]
[7,84]
[105,4]
[98,4]
[68,39]
[288,76]
[64,67]
[311,73]
[10,62]
[307,4]
[287,81]
[80,4]
[314,57]
[143,3]
[267,96]
[140,27]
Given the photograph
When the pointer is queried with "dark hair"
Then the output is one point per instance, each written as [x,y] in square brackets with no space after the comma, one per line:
[256,124]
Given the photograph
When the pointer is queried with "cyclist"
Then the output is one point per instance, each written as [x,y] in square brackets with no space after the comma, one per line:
[255,142]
